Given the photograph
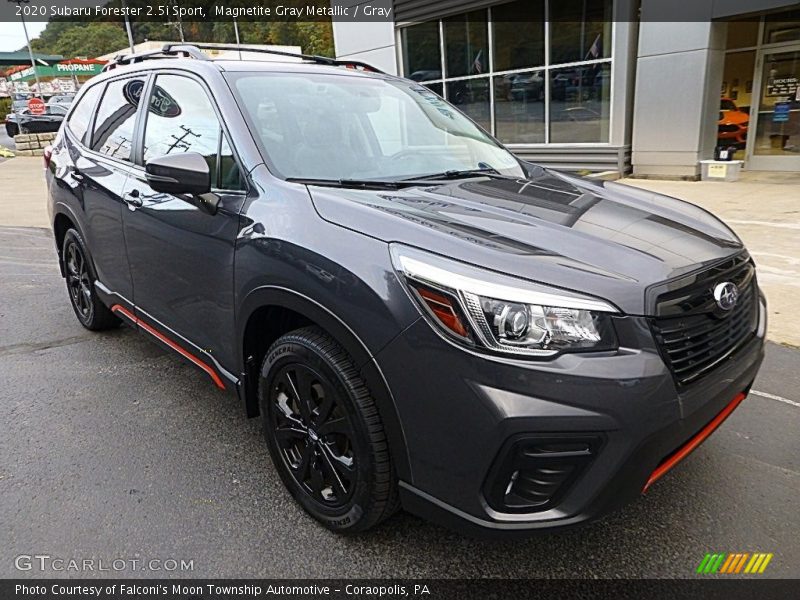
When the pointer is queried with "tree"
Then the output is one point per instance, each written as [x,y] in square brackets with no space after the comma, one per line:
[71,39]
[79,39]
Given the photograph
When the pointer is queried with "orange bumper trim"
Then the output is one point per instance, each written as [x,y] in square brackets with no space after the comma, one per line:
[693,443]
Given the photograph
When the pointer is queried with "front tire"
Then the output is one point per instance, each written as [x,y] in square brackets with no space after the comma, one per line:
[324,433]
[79,274]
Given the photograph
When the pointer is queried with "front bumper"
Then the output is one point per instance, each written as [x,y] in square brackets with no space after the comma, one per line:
[460,411]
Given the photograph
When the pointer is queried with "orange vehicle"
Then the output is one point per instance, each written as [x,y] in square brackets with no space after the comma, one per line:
[733,123]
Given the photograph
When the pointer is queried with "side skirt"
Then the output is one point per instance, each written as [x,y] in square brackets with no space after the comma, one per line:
[132,318]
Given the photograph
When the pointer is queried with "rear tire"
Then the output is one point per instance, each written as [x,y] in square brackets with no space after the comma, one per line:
[324,433]
[80,277]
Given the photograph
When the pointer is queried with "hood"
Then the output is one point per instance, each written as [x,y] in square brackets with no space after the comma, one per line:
[600,238]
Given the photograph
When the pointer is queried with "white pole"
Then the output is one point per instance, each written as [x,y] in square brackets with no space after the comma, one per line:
[130,33]
[30,54]
[128,29]
[236,31]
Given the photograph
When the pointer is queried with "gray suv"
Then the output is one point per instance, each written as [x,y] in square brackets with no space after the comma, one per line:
[420,318]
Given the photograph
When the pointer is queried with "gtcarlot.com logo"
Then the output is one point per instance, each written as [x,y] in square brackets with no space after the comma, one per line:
[734,563]
[46,562]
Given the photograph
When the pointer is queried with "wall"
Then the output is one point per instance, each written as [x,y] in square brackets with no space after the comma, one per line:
[370,42]
[32,144]
[679,74]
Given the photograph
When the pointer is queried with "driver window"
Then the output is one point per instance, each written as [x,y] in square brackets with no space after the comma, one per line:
[181,118]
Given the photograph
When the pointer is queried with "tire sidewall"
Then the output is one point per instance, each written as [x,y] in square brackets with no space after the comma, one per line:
[349,516]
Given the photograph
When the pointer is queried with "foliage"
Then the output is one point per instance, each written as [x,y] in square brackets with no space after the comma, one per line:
[5,106]
[89,40]
[71,39]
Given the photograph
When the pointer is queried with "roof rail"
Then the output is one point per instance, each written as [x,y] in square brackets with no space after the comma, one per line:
[166,51]
[173,50]
[322,60]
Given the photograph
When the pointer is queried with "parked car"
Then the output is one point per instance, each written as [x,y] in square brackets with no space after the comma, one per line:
[19,103]
[420,318]
[527,86]
[427,75]
[733,124]
[26,122]
[61,99]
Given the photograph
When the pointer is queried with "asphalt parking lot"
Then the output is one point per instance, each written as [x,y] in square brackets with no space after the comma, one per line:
[112,448]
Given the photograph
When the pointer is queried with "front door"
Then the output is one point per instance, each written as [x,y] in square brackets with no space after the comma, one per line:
[180,256]
[774,145]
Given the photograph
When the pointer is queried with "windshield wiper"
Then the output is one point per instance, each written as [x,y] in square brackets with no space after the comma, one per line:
[366,184]
[462,174]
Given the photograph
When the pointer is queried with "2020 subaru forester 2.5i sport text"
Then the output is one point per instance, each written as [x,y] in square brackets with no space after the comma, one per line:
[419,318]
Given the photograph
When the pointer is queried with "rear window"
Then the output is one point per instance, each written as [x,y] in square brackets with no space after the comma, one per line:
[116,118]
[82,115]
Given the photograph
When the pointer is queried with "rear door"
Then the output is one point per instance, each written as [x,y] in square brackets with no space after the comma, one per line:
[180,256]
[95,173]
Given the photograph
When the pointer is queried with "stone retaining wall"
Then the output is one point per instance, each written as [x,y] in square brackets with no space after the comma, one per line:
[33,144]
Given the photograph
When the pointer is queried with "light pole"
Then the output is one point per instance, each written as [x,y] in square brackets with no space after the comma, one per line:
[128,28]
[28,43]
[236,31]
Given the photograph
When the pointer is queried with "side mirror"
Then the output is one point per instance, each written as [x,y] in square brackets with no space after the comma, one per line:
[185,173]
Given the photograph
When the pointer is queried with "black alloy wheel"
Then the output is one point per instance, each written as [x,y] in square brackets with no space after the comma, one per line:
[78,282]
[79,274]
[324,432]
[314,436]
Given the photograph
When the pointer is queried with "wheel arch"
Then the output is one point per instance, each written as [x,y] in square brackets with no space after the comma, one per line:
[63,221]
[269,312]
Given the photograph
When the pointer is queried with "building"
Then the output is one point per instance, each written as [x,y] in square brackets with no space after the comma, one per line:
[605,84]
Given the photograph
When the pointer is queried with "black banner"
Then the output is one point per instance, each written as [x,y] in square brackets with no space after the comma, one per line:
[335,589]
[374,10]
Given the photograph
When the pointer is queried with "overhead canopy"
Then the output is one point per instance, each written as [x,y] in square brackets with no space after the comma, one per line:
[77,66]
[10,59]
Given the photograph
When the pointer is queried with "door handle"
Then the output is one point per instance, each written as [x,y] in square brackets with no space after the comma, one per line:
[133,199]
[77,175]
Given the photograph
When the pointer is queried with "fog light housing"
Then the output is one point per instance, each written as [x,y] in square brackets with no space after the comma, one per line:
[532,474]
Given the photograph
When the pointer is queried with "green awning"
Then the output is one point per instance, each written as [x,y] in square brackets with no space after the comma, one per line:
[81,70]
[12,59]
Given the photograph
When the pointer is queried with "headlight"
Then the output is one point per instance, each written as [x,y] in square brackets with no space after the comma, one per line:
[501,313]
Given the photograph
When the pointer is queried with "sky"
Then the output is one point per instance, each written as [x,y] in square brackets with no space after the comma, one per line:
[12,36]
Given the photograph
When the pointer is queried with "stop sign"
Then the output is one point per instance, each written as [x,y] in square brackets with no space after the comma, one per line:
[36,106]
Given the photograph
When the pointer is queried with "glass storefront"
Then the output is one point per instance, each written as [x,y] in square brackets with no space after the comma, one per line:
[522,78]
[778,124]
[760,102]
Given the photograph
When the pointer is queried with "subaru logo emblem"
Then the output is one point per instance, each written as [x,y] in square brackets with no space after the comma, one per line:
[726,295]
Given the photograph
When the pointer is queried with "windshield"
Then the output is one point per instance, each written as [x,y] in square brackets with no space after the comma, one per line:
[727,105]
[321,126]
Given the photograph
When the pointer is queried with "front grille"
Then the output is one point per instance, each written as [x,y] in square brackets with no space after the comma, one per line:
[728,128]
[693,334]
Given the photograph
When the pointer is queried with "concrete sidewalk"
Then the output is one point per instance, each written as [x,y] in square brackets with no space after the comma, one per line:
[763,208]
[23,202]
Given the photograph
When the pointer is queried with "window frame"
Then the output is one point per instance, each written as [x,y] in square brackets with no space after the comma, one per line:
[136,117]
[544,69]
[138,149]
[90,125]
